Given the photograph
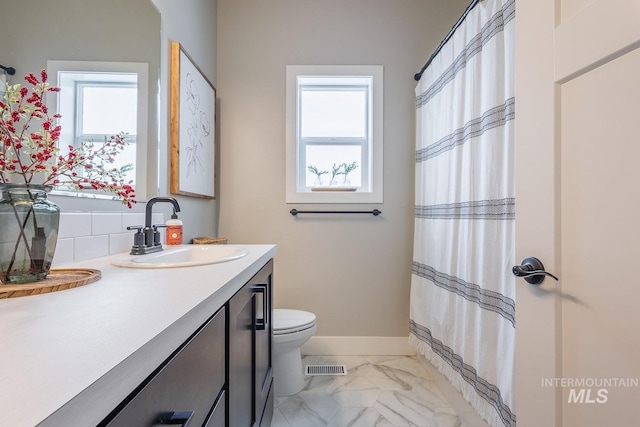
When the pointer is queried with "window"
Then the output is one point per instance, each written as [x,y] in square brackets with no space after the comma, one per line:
[334,134]
[103,104]
[100,99]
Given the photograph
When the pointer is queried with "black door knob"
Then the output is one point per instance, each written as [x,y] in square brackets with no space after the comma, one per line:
[532,271]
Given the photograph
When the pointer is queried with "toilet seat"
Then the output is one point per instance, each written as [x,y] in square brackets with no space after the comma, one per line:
[287,321]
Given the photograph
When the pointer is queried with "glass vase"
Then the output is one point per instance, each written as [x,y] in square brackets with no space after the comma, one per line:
[28,233]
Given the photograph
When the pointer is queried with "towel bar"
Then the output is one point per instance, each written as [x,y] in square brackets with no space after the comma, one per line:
[374,212]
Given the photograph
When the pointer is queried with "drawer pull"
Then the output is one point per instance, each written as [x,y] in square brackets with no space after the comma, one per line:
[263,322]
[176,418]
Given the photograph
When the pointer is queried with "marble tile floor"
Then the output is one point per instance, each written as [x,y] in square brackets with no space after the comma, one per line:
[378,391]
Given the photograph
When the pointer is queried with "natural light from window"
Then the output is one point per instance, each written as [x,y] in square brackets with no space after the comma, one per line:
[97,105]
[333,113]
[106,107]
[101,99]
[334,130]
[334,134]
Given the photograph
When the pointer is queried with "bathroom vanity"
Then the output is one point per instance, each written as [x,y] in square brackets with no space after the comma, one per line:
[179,343]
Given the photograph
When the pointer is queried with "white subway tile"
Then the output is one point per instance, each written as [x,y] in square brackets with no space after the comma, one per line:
[64,252]
[157,218]
[132,218]
[120,242]
[91,247]
[106,223]
[74,224]
[87,235]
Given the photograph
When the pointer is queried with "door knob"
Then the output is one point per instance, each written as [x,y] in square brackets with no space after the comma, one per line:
[531,270]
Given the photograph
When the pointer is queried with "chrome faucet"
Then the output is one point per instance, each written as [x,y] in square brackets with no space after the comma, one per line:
[147,238]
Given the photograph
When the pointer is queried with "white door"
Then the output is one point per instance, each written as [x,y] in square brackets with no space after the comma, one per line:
[578,211]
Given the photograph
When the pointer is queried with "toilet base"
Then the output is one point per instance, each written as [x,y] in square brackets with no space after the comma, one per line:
[287,372]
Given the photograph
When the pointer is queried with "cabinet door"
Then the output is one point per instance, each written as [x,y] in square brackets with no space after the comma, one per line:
[250,352]
[218,416]
[241,350]
[262,285]
[186,388]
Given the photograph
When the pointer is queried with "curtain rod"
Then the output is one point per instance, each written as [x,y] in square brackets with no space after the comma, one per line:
[10,70]
[417,76]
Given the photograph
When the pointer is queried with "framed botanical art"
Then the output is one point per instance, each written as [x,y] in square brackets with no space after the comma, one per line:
[193,128]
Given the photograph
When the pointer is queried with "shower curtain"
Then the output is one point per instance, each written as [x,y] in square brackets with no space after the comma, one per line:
[462,309]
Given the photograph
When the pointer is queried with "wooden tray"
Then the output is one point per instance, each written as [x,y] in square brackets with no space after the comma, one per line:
[57,280]
[209,240]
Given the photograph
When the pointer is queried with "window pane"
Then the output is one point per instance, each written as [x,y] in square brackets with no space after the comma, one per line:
[109,110]
[124,158]
[324,158]
[333,113]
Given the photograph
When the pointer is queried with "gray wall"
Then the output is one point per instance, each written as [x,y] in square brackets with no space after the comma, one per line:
[34,31]
[352,271]
[193,24]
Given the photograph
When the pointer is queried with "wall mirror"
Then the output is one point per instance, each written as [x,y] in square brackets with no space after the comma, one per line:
[93,41]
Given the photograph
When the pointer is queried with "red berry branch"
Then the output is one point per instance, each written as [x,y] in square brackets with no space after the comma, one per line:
[29,138]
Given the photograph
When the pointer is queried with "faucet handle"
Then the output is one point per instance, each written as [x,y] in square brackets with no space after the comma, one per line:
[156,234]
[138,239]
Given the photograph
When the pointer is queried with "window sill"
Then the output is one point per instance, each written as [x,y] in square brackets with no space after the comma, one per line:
[336,195]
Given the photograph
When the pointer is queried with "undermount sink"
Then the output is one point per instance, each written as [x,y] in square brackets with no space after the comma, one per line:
[182,256]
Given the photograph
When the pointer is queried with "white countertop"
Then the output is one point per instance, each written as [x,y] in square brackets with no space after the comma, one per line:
[70,357]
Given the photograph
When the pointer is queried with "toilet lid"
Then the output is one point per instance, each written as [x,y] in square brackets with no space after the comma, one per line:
[287,321]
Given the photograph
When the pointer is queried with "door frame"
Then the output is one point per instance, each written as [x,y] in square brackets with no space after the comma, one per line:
[551,51]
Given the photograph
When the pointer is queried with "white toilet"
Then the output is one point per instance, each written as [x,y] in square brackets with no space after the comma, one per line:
[291,329]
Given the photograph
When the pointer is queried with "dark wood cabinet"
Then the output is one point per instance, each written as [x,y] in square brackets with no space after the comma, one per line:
[250,374]
[188,388]
[222,376]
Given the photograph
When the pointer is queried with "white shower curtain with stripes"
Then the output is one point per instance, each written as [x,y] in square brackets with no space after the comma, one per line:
[462,306]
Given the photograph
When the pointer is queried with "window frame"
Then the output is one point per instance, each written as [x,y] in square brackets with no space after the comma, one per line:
[141,69]
[371,170]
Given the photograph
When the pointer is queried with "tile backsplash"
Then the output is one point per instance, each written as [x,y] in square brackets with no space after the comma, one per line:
[88,235]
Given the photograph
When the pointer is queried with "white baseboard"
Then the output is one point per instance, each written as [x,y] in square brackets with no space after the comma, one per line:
[357,346]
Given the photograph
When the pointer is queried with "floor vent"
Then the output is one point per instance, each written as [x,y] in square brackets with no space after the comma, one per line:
[326,370]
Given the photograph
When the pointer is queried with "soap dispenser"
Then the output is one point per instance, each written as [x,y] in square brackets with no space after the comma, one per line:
[174,230]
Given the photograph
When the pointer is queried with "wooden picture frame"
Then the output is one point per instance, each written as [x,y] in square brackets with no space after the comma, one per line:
[193,128]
